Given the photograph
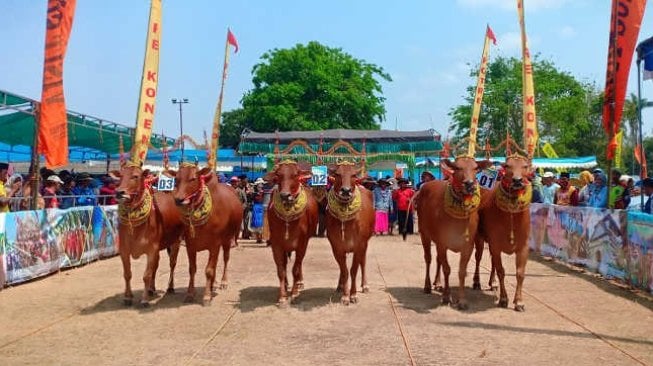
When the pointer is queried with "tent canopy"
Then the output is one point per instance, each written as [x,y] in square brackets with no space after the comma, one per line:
[583,162]
[88,136]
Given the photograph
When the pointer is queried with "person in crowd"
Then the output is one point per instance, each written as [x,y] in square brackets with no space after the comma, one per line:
[598,194]
[586,179]
[369,183]
[6,192]
[627,183]
[426,176]
[52,184]
[392,216]
[647,189]
[66,194]
[233,181]
[403,197]
[84,192]
[108,191]
[382,205]
[17,197]
[550,187]
[257,196]
[537,190]
[244,195]
[567,195]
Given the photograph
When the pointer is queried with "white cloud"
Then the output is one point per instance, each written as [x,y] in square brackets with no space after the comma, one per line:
[509,41]
[567,32]
[530,5]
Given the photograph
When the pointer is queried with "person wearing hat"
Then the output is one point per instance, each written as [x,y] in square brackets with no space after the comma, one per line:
[403,196]
[550,187]
[233,181]
[108,190]
[426,176]
[6,192]
[85,195]
[382,196]
[258,211]
[65,193]
[244,193]
[598,190]
[52,185]
[567,195]
[647,188]
[586,178]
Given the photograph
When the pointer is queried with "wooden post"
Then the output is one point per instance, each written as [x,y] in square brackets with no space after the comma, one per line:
[34,165]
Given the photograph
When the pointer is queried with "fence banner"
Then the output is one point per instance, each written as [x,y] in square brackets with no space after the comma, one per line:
[639,256]
[37,243]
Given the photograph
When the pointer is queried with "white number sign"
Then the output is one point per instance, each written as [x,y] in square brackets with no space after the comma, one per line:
[165,183]
[319,175]
[487,178]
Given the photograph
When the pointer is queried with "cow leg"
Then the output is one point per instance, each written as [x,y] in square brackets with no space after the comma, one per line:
[426,246]
[192,268]
[465,255]
[172,256]
[355,263]
[280,259]
[210,275]
[148,276]
[491,282]
[341,258]
[442,259]
[127,274]
[297,271]
[364,287]
[226,249]
[521,257]
[501,273]
[478,255]
[437,284]
[151,288]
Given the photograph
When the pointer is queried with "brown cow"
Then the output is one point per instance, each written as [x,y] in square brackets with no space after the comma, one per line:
[148,223]
[212,215]
[505,223]
[293,220]
[350,224]
[448,216]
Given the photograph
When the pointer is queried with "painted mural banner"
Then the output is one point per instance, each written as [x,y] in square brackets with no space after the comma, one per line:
[639,256]
[37,243]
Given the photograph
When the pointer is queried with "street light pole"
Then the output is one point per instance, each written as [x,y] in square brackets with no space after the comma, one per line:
[181,102]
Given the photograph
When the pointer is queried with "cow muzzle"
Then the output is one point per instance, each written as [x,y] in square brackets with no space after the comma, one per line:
[122,196]
[517,183]
[182,201]
[345,194]
[286,197]
[469,186]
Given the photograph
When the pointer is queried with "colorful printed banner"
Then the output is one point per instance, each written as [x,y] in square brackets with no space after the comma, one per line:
[215,134]
[480,88]
[639,252]
[617,155]
[53,120]
[149,83]
[37,243]
[625,22]
[528,90]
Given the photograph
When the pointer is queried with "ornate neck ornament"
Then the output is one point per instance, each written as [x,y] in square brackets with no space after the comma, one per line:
[461,206]
[513,202]
[136,215]
[344,210]
[197,213]
[288,212]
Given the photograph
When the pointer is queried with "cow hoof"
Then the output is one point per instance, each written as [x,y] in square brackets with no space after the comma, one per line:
[345,301]
[170,290]
[206,302]
[427,290]
[151,292]
[283,304]
[366,289]
[446,301]
[224,285]
[353,299]
[476,286]
[189,299]
[300,286]
[494,288]
[127,302]
[438,288]
[503,303]
[520,308]
[145,304]
[463,306]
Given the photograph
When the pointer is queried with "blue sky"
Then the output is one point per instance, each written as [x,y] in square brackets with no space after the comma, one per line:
[425,45]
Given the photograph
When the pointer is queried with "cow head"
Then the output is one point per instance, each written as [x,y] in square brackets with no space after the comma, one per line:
[189,182]
[288,176]
[133,180]
[516,171]
[344,177]
[463,173]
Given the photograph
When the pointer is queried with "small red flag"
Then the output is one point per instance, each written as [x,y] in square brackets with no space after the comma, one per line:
[489,34]
[231,39]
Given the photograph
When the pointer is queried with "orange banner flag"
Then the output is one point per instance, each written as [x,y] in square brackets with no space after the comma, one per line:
[480,89]
[625,23]
[215,133]
[53,120]
[529,116]
[641,160]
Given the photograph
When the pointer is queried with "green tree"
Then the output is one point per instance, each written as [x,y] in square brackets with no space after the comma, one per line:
[313,87]
[232,125]
[564,107]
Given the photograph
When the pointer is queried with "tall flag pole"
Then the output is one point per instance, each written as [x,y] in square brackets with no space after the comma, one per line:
[480,88]
[121,150]
[53,120]
[529,116]
[215,134]
[149,83]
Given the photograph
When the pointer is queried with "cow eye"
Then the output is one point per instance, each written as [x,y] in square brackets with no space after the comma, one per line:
[134,176]
[192,179]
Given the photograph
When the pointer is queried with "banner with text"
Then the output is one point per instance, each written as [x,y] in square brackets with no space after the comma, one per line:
[480,88]
[528,90]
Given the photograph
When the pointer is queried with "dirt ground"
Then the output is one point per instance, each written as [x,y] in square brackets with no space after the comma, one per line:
[76,317]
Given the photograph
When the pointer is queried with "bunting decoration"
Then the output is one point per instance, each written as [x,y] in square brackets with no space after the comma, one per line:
[215,134]
[529,116]
[149,83]
[53,119]
[480,88]
[625,23]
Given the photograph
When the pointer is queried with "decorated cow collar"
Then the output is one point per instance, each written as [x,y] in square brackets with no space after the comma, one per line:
[461,206]
[197,213]
[344,210]
[136,215]
[513,201]
[289,212]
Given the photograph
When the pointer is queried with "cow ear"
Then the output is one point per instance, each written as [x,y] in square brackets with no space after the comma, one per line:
[331,168]
[359,170]
[115,173]
[445,168]
[480,165]
[305,175]
[146,173]
[271,177]
[169,173]
[449,164]
[206,173]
